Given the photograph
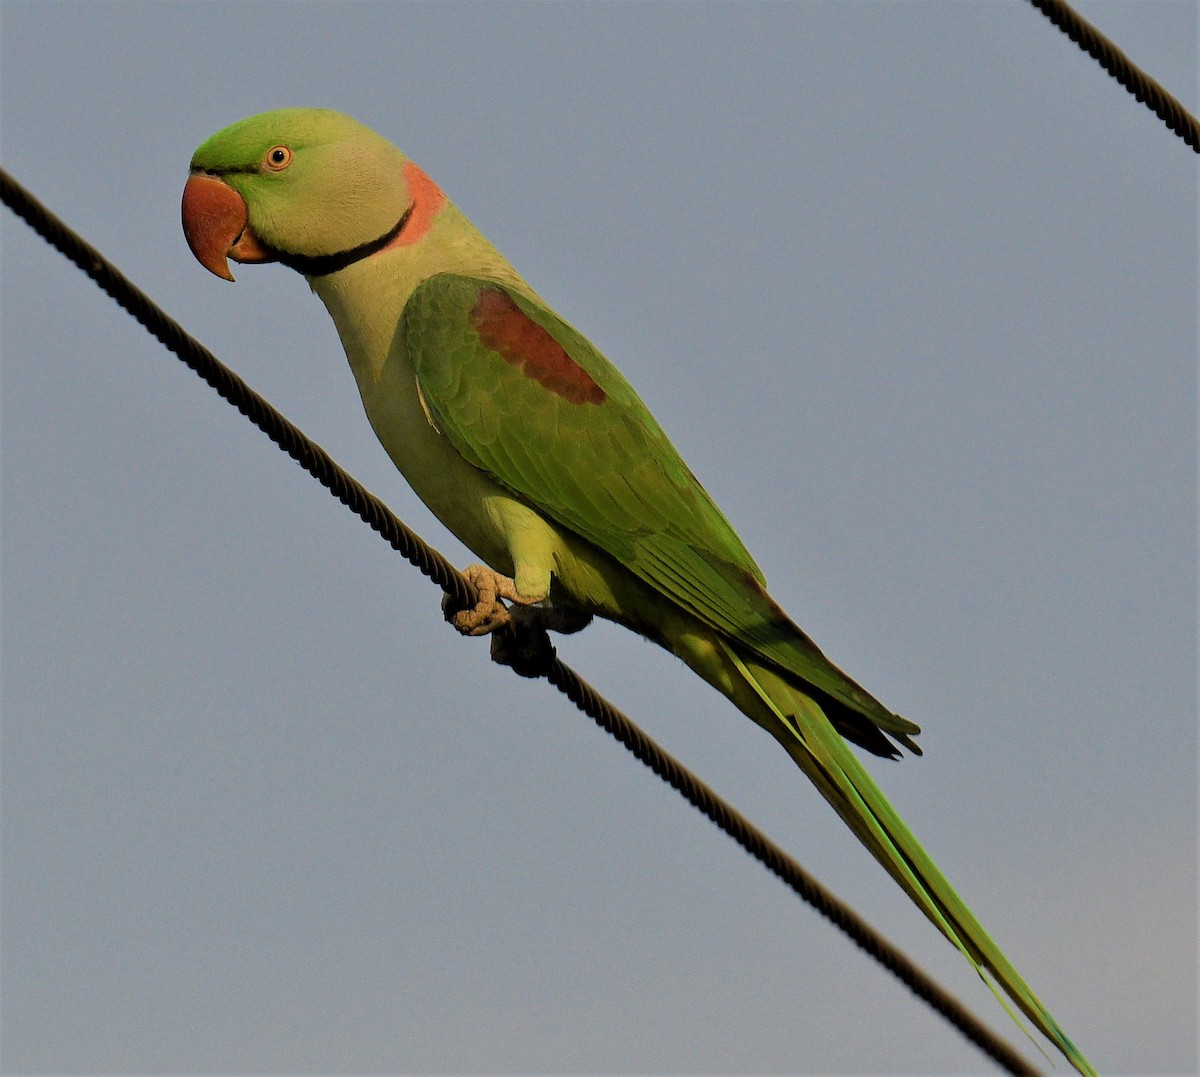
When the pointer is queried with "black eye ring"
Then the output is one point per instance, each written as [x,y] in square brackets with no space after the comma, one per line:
[278,158]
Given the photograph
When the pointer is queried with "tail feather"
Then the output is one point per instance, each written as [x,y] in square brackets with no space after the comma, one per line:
[827,760]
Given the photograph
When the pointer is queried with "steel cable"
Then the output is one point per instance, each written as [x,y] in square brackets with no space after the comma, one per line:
[1147,90]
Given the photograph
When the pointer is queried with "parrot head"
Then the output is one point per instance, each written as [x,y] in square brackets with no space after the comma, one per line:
[310,188]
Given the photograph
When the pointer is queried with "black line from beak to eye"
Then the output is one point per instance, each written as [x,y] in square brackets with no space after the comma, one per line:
[321,265]
[200,170]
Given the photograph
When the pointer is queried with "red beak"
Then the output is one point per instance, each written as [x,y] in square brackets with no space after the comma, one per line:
[216,226]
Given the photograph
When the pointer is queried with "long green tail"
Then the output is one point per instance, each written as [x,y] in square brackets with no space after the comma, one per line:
[831,765]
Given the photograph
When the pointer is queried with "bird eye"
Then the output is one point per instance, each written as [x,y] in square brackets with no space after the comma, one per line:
[278,158]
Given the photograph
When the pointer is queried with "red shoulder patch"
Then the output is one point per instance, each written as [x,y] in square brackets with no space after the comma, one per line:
[508,330]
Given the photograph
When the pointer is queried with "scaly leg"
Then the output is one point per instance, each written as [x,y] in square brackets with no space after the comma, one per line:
[489,613]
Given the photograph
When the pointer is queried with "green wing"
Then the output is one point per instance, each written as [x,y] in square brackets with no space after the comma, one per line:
[522,395]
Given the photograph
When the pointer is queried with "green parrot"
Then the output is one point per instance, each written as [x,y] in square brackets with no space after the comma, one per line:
[531,448]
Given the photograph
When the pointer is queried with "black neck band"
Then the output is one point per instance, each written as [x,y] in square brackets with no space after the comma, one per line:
[321,265]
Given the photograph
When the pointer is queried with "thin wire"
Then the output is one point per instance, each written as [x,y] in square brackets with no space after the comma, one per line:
[438,568]
[1152,93]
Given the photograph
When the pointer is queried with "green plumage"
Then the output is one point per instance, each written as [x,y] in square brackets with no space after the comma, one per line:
[531,447]
[613,477]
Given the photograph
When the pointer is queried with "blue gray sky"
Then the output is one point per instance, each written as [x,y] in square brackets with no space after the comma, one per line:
[913,288]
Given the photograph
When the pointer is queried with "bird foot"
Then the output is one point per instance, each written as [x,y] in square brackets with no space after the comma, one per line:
[520,635]
[489,613]
[523,643]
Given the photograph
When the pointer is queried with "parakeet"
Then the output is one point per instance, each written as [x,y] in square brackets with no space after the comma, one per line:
[531,448]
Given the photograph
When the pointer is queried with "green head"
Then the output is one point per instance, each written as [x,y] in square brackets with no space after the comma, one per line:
[307,187]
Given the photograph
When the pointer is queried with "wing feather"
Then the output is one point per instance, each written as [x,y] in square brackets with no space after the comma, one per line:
[525,397]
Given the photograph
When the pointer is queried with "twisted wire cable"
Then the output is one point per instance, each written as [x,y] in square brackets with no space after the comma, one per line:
[1108,55]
